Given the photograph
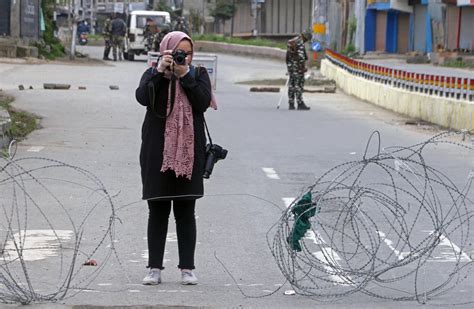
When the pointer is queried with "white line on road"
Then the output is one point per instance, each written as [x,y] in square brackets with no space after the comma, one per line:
[450,252]
[35,148]
[329,258]
[389,243]
[288,201]
[36,244]
[270,172]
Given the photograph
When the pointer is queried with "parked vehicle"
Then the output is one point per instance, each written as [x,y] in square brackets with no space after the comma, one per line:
[135,42]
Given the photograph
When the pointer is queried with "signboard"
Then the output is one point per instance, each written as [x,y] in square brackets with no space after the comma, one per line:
[118,7]
[316,46]
[29,18]
[465,2]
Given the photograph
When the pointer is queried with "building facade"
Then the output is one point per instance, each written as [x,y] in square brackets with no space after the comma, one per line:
[425,26]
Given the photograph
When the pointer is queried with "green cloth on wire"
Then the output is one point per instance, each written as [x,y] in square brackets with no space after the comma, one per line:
[302,211]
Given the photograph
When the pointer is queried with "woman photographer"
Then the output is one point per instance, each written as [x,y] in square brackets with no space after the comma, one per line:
[173,150]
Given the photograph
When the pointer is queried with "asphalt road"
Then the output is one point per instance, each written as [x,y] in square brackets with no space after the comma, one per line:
[98,129]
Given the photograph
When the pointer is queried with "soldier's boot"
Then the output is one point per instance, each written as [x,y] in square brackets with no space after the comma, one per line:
[115,57]
[303,107]
[106,56]
[291,106]
[120,56]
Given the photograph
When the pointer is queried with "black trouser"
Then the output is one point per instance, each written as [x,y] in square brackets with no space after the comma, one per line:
[159,212]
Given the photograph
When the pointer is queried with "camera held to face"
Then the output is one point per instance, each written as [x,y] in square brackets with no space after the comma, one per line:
[214,153]
[179,57]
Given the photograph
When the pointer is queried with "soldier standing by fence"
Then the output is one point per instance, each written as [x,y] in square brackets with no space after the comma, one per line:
[296,58]
[107,34]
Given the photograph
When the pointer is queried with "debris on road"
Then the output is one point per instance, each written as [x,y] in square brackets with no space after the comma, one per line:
[57,86]
[21,87]
[265,89]
[114,87]
[82,88]
[90,263]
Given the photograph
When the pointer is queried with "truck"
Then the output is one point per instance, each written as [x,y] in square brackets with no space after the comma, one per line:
[134,43]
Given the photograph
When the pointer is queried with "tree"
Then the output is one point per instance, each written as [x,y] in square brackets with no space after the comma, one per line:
[223,10]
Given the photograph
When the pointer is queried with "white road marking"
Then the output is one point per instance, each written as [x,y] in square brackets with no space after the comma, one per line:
[36,244]
[104,284]
[134,291]
[450,252]
[315,237]
[389,243]
[270,172]
[134,261]
[329,258]
[288,201]
[35,148]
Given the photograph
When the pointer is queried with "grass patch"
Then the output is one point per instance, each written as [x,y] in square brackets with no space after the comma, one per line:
[240,41]
[22,123]
[455,63]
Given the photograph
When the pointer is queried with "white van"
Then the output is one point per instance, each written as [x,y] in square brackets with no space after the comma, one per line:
[136,22]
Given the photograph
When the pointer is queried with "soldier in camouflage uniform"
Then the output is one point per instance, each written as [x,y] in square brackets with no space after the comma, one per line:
[296,58]
[106,33]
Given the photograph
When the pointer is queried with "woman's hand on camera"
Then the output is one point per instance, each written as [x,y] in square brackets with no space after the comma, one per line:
[180,70]
[165,61]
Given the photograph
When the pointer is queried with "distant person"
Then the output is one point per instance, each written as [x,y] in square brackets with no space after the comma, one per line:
[82,27]
[296,59]
[172,154]
[118,30]
[181,25]
[151,30]
[107,34]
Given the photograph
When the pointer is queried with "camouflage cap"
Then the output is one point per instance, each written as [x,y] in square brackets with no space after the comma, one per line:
[307,35]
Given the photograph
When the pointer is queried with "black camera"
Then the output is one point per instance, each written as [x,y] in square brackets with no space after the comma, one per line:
[214,153]
[179,57]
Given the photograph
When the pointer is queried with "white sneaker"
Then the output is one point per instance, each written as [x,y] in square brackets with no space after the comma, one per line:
[153,277]
[188,277]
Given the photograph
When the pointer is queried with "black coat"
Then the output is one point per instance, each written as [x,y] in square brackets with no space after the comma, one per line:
[157,184]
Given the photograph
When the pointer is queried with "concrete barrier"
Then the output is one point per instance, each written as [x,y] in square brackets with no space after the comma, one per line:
[217,47]
[446,112]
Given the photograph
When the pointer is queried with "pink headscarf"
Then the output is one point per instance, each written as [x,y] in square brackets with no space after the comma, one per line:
[178,152]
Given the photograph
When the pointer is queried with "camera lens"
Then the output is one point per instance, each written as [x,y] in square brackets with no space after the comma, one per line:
[179,57]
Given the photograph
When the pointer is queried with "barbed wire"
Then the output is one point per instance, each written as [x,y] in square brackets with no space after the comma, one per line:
[377,226]
[380,226]
[47,211]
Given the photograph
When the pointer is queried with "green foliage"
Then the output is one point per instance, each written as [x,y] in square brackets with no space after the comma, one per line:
[252,42]
[352,28]
[196,19]
[161,6]
[223,10]
[455,63]
[50,47]
[22,123]
[349,51]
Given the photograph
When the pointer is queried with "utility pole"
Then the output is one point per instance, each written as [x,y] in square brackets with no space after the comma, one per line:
[254,17]
[72,28]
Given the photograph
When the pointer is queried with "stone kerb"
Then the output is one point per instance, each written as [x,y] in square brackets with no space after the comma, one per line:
[217,47]
[446,112]
[5,123]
